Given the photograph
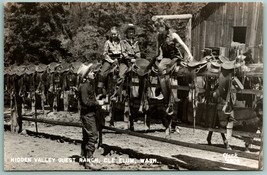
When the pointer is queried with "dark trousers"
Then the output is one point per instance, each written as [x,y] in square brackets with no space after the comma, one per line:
[90,134]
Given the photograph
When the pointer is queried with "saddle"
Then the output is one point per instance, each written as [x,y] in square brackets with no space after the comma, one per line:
[198,66]
[41,68]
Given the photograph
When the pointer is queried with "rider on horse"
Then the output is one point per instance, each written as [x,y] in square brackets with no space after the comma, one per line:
[130,52]
[112,53]
[169,55]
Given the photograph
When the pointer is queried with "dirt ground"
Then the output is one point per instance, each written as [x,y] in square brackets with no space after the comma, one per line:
[23,145]
[23,152]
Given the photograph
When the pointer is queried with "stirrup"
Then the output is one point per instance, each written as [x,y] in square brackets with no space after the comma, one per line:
[169,110]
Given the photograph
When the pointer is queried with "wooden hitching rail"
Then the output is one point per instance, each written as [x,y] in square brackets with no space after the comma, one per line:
[180,143]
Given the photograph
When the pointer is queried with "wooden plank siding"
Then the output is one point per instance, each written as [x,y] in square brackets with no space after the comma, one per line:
[259,36]
[216,29]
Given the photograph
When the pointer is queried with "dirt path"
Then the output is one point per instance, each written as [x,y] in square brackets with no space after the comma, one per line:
[23,152]
[188,158]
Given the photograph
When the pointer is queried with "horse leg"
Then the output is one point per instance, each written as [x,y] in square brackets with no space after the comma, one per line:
[111,115]
[168,129]
[146,103]
[223,137]
[112,96]
[33,99]
[142,89]
[147,119]
[65,100]
[147,122]
[54,102]
[23,108]
[209,137]
[126,114]
[42,102]
[141,103]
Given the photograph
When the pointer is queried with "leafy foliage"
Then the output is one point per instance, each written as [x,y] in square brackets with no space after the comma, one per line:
[32,31]
[53,32]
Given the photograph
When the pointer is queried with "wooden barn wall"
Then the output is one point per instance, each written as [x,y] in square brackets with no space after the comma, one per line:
[217,29]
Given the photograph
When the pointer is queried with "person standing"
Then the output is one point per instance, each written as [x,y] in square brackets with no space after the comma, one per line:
[89,107]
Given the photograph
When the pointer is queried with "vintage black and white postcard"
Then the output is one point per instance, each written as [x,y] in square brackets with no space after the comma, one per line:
[133,86]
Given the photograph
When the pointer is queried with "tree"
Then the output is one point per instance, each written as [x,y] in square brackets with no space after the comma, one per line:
[48,32]
[32,31]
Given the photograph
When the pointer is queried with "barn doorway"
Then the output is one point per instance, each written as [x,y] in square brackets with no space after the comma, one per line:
[240,34]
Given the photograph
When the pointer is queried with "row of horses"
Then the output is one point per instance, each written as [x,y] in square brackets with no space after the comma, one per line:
[140,95]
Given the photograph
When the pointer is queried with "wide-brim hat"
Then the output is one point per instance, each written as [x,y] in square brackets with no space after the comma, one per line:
[140,66]
[130,26]
[228,65]
[84,69]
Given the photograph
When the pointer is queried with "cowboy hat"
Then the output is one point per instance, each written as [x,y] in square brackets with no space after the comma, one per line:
[140,66]
[129,26]
[84,70]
